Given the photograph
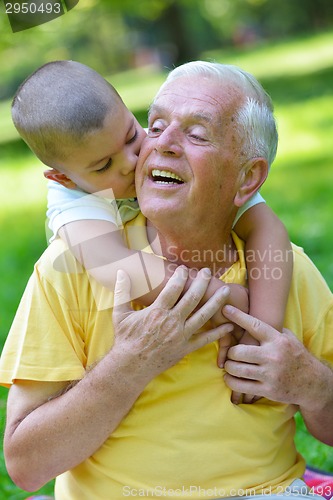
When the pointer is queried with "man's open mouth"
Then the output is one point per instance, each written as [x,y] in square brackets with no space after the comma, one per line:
[165,177]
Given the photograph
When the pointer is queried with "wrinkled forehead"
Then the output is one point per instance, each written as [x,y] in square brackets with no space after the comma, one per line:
[199,95]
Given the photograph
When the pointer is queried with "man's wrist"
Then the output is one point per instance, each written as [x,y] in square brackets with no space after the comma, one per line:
[130,371]
[320,397]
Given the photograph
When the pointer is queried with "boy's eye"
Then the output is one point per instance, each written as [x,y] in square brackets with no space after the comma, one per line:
[133,139]
[106,167]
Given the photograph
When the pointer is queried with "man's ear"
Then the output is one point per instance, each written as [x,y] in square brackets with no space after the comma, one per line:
[253,176]
[55,175]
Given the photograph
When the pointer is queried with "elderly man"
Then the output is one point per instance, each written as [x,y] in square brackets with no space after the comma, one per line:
[150,413]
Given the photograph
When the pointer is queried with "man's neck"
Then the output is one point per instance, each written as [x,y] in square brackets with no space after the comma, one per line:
[217,252]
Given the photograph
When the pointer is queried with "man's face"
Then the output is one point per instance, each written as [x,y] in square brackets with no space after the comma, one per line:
[189,165]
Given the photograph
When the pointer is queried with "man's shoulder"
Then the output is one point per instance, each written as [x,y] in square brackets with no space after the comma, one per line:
[303,265]
[308,284]
[57,259]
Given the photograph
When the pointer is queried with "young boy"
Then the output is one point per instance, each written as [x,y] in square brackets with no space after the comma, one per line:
[76,124]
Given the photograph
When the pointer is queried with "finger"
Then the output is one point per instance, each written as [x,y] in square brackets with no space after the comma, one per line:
[243,386]
[240,398]
[243,370]
[236,398]
[122,298]
[224,345]
[195,293]
[249,399]
[258,329]
[173,289]
[204,338]
[246,353]
[205,312]
[235,355]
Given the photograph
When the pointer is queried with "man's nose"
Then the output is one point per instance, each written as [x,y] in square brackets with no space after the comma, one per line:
[168,143]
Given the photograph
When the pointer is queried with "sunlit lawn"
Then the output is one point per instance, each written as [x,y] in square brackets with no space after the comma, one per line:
[299,76]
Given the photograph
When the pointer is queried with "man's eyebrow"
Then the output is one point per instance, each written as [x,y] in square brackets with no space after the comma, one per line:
[153,108]
[204,117]
[198,116]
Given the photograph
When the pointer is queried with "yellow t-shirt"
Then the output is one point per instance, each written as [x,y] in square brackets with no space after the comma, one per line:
[183,438]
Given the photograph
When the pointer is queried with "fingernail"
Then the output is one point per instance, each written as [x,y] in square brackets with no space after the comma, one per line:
[207,272]
[229,327]
[228,309]
[183,271]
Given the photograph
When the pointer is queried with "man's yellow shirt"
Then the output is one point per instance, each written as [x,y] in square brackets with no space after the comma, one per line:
[183,438]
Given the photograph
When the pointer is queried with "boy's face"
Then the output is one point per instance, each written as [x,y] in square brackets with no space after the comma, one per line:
[106,158]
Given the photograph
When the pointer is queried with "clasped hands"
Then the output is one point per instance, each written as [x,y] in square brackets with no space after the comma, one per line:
[160,335]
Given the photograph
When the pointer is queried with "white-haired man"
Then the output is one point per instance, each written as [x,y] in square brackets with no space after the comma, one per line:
[153,416]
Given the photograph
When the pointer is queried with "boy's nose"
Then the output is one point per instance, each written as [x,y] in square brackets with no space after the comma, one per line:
[129,164]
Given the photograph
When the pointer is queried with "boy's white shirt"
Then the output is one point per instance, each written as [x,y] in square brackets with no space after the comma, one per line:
[254,200]
[69,205]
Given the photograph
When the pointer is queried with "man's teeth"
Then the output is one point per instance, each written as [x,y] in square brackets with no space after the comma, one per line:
[165,177]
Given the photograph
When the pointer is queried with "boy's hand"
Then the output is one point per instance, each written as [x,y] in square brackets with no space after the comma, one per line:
[238,397]
[239,298]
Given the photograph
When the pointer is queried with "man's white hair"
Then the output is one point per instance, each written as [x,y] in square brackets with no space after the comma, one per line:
[254,119]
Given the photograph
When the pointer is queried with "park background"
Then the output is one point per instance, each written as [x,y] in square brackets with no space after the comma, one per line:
[287,45]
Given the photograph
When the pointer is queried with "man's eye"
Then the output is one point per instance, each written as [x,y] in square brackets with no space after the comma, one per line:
[156,127]
[106,167]
[154,130]
[197,137]
[133,139]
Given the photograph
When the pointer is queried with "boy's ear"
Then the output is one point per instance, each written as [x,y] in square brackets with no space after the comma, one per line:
[55,175]
[254,175]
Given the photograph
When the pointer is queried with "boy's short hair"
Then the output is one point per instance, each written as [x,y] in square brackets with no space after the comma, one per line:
[58,105]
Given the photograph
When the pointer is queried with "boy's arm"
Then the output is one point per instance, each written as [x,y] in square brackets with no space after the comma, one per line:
[99,246]
[269,259]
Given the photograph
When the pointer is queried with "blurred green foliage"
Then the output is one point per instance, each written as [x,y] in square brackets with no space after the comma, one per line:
[118,35]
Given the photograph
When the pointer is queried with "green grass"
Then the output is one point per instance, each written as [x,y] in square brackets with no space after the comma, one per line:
[299,76]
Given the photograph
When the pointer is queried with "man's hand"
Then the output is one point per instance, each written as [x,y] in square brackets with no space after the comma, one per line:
[156,338]
[238,397]
[238,297]
[280,368]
